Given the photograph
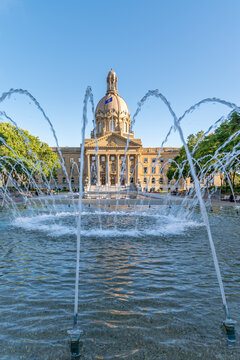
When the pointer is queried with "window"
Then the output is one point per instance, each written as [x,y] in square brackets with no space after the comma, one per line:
[112,157]
[122,157]
[93,158]
[99,127]
[145,180]
[169,181]
[153,180]
[125,127]
[161,181]
[131,158]
[103,158]
[64,180]
[145,160]
[112,125]
[145,170]
[112,168]
[161,160]
[72,180]
[71,160]
[153,170]
[153,160]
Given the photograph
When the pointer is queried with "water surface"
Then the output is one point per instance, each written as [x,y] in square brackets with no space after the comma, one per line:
[148,289]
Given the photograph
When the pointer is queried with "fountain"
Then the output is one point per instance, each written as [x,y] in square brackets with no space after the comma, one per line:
[127,217]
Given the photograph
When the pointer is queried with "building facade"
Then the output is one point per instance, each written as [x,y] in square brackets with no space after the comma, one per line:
[118,160]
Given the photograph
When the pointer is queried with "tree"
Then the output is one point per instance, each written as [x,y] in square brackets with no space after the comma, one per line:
[180,161]
[22,154]
[210,152]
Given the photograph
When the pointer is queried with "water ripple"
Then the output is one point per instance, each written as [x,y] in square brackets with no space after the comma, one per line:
[149,293]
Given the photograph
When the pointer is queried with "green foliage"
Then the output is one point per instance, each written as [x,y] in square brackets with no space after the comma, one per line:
[24,153]
[180,161]
[207,147]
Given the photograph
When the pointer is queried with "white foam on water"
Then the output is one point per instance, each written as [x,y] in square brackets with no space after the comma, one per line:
[64,214]
[166,225]
[35,224]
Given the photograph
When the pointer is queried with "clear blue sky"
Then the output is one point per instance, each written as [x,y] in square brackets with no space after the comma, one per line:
[187,49]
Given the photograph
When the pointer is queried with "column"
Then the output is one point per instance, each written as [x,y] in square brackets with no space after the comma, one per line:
[128,170]
[98,169]
[136,170]
[108,170]
[88,169]
[117,170]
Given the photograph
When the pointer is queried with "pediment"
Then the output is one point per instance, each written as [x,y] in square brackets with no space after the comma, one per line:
[112,140]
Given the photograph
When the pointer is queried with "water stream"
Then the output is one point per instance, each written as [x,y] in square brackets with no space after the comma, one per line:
[132,222]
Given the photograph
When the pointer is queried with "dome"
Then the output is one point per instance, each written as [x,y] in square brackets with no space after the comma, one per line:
[112,103]
[112,113]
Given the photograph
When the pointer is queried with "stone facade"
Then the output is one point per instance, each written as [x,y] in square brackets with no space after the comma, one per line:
[110,168]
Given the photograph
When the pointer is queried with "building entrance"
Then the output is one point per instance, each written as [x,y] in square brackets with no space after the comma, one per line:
[113,180]
[103,180]
[93,179]
[123,182]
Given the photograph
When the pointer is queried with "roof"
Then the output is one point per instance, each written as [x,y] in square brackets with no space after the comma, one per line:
[116,105]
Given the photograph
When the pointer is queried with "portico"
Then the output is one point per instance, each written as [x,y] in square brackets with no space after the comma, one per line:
[109,166]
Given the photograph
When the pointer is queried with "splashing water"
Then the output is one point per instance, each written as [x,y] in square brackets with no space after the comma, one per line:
[108,220]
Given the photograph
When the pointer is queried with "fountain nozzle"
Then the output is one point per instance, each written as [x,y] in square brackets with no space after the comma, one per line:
[229,326]
[75,343]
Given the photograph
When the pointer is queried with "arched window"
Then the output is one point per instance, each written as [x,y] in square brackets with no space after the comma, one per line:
[125,127]
[112,125]
[99,127]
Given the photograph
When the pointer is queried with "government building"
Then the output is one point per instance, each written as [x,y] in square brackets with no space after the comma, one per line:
[107,167]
